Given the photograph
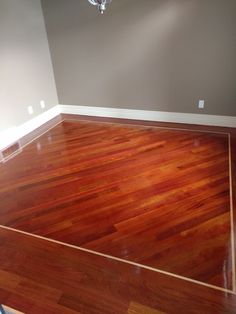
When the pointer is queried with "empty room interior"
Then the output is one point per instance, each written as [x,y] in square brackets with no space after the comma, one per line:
[117,156]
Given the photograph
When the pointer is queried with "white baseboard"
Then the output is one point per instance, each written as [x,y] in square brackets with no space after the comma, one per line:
[161,116]
[12,135]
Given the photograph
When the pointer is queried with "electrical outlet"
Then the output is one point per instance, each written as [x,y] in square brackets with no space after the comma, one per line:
[30,110]
[42,104]
[201,104]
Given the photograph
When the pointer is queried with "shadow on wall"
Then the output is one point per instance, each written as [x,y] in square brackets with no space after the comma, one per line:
[26,74]
[135,59]
[155,54]
[164,21]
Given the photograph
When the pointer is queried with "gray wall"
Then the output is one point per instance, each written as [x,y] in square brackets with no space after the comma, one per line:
[26,74]
[145,54]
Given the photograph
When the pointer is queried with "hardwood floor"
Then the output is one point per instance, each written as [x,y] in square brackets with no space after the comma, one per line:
[154,196]
[40,277]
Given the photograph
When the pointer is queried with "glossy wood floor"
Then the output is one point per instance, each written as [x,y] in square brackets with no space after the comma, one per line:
[157,197]
[39,277]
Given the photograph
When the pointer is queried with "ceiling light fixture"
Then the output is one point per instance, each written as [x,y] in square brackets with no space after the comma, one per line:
[101,4]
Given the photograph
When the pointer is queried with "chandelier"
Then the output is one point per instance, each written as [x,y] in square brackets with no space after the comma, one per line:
[101,4]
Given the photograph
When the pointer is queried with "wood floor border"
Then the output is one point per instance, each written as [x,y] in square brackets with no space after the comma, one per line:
[146,124]
[157,270]
[232,216]
[143,124]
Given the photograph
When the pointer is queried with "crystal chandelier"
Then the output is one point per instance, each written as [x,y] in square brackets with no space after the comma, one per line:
[101,4]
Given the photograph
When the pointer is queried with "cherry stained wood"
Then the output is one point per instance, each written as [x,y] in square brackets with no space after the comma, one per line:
[38,277]
[158,197]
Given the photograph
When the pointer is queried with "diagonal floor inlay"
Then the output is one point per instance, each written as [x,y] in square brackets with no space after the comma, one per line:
[154,196]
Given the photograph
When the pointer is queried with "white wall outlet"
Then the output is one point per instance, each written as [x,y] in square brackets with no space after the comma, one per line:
[42,104]
[30,110]
[201,104]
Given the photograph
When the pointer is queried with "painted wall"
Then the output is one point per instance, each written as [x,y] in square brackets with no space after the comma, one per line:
[153,54]
[26,74]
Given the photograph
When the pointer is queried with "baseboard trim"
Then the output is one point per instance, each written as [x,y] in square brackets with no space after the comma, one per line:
[13,135]
[145,115]
[52,116]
